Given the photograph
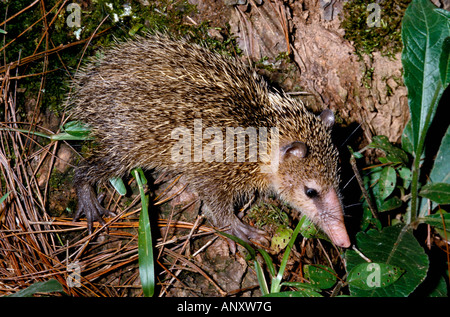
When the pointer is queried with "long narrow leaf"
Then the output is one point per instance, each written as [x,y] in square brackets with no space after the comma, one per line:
[269,262]
[261,278]
[276,282]
[145,244]
[49,286]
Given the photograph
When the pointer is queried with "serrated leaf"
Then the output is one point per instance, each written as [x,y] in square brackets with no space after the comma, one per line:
[388,180]
[320,276]
[367,276]
[396,246]
[437,192]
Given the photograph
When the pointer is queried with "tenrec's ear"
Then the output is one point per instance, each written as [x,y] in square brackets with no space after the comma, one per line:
[296,148]
[327,117]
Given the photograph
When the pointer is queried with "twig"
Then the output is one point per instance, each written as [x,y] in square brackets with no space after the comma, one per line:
[361,185]
[197,269]
[20,12]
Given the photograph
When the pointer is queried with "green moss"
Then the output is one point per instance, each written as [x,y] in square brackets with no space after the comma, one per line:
[265,64]
[271,66]
[58,179]
[385,38]
[368,77]
[110,19]
[266,214]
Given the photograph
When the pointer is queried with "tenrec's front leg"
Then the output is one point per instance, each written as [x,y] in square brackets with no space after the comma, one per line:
[221,213]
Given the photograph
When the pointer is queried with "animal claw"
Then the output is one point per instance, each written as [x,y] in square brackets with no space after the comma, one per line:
[89,206]
[246,233]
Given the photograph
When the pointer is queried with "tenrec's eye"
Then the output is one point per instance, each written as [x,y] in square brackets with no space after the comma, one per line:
[311,192]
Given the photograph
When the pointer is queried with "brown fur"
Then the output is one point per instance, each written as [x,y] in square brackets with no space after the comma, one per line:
[137,93]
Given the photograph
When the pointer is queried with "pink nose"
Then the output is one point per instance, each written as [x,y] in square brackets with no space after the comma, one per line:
[341,241]
[336,229]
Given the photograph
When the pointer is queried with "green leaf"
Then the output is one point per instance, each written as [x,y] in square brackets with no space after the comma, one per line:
[261,278]
[396,246]
[393,153]
[49,286]
[440,173]
[269,262]
[145,244]
[423,32]
[301,286]
[73,130]
[405,174]
[407,138]
[301,293]
[438,220]
[367,276]
[444,62]
[118,185]
[281,238]
[390,204]
[276,280]
[437,192]
[441,289]
[441,168]
[309,230]
[4,197]
[320,276]
[135,28]
[367,218]
[388,180]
